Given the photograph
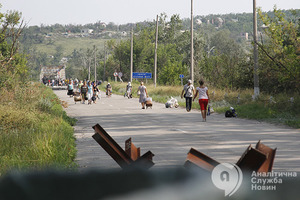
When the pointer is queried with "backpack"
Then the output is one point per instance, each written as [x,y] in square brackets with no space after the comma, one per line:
[168,105]
[228,113]
[187,91]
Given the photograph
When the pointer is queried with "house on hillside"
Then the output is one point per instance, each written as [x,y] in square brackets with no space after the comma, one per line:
[198,21]
[103,24]
[87,31]
[219,21]
[124,34]
[244,36]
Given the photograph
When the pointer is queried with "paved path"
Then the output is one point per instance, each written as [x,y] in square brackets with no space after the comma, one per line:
[170,133]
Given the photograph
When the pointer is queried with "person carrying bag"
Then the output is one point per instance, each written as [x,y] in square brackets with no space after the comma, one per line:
[189,92]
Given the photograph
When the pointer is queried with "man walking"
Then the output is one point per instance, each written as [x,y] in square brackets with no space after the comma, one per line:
[188,93]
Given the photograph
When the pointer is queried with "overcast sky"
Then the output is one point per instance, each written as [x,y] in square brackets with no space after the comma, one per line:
[48,12]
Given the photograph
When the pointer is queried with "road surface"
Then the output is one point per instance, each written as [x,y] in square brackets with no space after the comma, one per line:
[170,133]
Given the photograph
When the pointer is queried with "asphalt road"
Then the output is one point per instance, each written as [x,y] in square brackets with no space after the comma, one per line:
[170,133]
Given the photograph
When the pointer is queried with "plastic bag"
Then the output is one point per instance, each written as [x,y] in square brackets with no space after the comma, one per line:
[172,103]
[148,99]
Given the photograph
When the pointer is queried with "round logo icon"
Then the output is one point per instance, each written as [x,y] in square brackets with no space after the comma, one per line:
[227,177]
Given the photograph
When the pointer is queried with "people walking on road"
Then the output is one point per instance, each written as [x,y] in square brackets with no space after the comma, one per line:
[188,93]
[203,98]
[70,88]
[95,92]
[79,86]
[84,90]
[108,90]
[129,90]
[142,91]
[90,93]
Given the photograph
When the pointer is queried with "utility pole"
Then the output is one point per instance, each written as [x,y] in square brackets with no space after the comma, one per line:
[95,64]
[155,53]
[104,62]
[255,52]
[192,43]
[89,77]
[131,55]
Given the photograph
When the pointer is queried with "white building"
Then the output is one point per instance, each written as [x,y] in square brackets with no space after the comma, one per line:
[198,21]
[87,31]
[244,36]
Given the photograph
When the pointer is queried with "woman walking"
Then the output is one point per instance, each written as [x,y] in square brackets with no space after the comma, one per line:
[203,98]
[83,91]
[70,88]
[142,91]
[129,90]
[188,91]
[90,92]
[96,92]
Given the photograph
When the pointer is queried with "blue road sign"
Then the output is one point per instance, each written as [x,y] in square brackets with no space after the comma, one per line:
[181,76]
[141,75]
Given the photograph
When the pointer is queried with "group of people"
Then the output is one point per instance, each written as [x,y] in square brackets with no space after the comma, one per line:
[87,90]
[188,93]
[53,82]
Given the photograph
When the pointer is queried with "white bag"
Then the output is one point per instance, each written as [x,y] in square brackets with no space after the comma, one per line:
[149,99]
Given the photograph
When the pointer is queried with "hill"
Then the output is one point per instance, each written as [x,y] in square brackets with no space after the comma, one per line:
[75,45]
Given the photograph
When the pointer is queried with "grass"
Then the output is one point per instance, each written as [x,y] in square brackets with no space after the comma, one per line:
[35,131]
[69,44]
[278,109]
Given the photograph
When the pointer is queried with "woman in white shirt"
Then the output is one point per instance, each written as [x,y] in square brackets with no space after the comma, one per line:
[203,98]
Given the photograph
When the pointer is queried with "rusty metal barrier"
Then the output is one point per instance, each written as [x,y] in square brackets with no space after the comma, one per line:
[117,153]
[196,158]
[131,150]
[270,153]
[258,159]
[251,160]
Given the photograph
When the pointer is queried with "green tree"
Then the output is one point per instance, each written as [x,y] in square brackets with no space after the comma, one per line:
[224,62]
[170,65]
[13,64]
[279,52]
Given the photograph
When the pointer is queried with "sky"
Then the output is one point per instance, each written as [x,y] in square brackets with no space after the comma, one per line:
[47,12]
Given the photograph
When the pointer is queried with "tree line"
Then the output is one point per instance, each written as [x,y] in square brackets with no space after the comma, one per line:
[221,58]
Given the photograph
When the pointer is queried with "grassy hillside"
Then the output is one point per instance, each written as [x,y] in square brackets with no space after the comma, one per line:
[68,44]
[35,132]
